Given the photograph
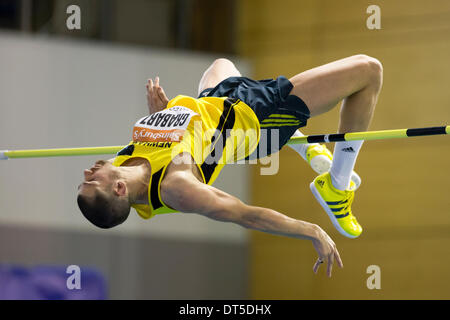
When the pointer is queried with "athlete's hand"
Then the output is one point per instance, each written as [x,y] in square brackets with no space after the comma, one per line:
[156,97]
[327,252]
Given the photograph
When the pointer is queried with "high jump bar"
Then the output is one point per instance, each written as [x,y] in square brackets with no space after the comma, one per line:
[324,138]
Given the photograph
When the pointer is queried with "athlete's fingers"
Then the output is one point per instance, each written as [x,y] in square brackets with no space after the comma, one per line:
[162,95]
[330,264]
[316,266]
[154,93]
[150,86]
[338,258]
[156,85]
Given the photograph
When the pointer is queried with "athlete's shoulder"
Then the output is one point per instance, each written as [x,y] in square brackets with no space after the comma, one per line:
[180,98]
[196,104]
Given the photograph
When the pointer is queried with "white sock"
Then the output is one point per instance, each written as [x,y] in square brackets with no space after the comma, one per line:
[344,159]
[301,148]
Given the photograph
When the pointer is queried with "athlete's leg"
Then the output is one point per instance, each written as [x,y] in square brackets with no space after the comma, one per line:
[301,149]
[219,70]
[356,81]
[318,157]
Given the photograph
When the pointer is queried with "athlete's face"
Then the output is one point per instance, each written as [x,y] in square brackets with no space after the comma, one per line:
[98,177]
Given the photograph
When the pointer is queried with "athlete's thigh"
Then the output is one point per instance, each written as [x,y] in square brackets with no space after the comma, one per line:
[219,70]
[323,87]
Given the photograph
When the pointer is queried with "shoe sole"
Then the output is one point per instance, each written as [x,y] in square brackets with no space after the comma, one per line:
[330,214]
[320,164]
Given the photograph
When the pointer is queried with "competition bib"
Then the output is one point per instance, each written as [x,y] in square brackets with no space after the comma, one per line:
[167,125]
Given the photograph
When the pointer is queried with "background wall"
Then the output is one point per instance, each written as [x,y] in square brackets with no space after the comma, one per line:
[58,93]
[402,203]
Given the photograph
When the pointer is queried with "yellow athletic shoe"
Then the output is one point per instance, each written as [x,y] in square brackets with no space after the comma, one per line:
[320,158]
[337,204]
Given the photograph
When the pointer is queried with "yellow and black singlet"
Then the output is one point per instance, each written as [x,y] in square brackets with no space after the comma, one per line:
[214,131]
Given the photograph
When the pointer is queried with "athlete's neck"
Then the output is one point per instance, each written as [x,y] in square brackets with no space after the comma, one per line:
[136,175]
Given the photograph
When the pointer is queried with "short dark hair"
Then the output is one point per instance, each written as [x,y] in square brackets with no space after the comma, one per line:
[103,210]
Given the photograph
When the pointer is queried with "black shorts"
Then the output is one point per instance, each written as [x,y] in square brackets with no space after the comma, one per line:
[278,112]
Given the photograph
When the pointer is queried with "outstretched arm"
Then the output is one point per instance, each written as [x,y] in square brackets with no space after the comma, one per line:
[184,193]
[156,97]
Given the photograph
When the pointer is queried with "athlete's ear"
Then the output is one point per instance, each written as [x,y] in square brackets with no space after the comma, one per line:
[120,188]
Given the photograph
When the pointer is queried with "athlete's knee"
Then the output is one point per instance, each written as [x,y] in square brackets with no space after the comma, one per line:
[376,71]
[223,62]
[225,66]
[371,68]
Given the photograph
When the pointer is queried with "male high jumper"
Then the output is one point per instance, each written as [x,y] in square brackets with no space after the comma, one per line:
[178,150]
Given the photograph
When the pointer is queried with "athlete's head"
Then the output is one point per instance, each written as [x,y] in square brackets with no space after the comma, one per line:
[102,196]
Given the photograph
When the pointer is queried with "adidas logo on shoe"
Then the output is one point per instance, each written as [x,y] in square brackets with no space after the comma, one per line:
[321,183]
[349,149]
